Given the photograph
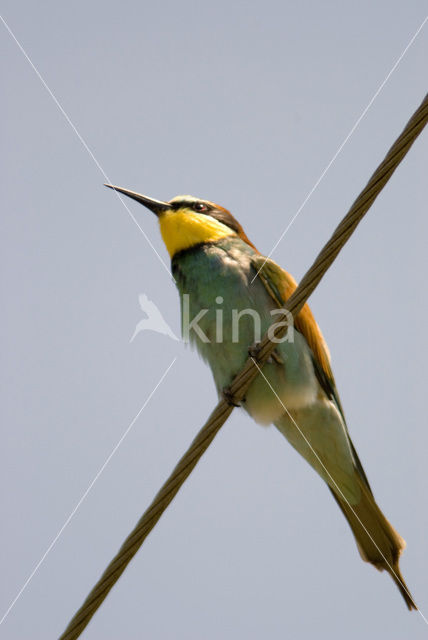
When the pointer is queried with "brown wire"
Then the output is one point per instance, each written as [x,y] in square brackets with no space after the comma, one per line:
[242,381]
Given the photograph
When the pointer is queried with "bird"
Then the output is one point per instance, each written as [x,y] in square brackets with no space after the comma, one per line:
[214,263]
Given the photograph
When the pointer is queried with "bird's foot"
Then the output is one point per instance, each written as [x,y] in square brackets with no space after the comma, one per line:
[276,357]
[229,397]
[253,350]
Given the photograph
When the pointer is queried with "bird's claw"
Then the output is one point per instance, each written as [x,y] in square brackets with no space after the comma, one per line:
[229,397]
[253,350]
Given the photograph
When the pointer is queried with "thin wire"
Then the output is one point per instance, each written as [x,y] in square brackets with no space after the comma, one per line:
[72,514]
[336,485]
[403,53]
[242,381]
[83,142]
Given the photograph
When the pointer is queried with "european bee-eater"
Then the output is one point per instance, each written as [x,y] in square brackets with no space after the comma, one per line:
[214,262]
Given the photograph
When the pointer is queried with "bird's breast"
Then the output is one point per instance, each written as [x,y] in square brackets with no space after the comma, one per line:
[224,313]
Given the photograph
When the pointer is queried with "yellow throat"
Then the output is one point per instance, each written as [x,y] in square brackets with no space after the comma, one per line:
[184,228]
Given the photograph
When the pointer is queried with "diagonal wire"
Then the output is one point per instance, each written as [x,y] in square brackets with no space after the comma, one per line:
[323,174]
[80,137]
[242,381]
[84,496]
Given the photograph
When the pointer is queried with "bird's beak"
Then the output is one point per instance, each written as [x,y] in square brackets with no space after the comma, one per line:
[157,206]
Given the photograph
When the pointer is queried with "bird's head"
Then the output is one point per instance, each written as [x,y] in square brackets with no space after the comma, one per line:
[186,221]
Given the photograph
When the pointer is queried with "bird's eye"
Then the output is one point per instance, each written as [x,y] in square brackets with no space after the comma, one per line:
[200,206]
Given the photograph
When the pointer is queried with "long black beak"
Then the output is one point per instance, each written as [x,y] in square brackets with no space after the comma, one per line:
[157,206]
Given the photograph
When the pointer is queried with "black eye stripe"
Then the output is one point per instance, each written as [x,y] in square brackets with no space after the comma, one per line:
[186,204]
[220,214]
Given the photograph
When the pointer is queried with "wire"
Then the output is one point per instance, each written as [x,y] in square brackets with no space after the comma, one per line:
[242,381]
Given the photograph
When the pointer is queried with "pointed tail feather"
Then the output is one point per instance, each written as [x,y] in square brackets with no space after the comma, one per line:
[377,540]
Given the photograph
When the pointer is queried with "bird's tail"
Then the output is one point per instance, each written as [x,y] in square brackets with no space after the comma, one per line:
[377,540]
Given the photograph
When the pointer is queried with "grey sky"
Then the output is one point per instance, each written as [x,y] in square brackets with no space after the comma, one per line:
[244,104]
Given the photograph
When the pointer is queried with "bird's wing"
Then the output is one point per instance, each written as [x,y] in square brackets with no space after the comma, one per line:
[280,285]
